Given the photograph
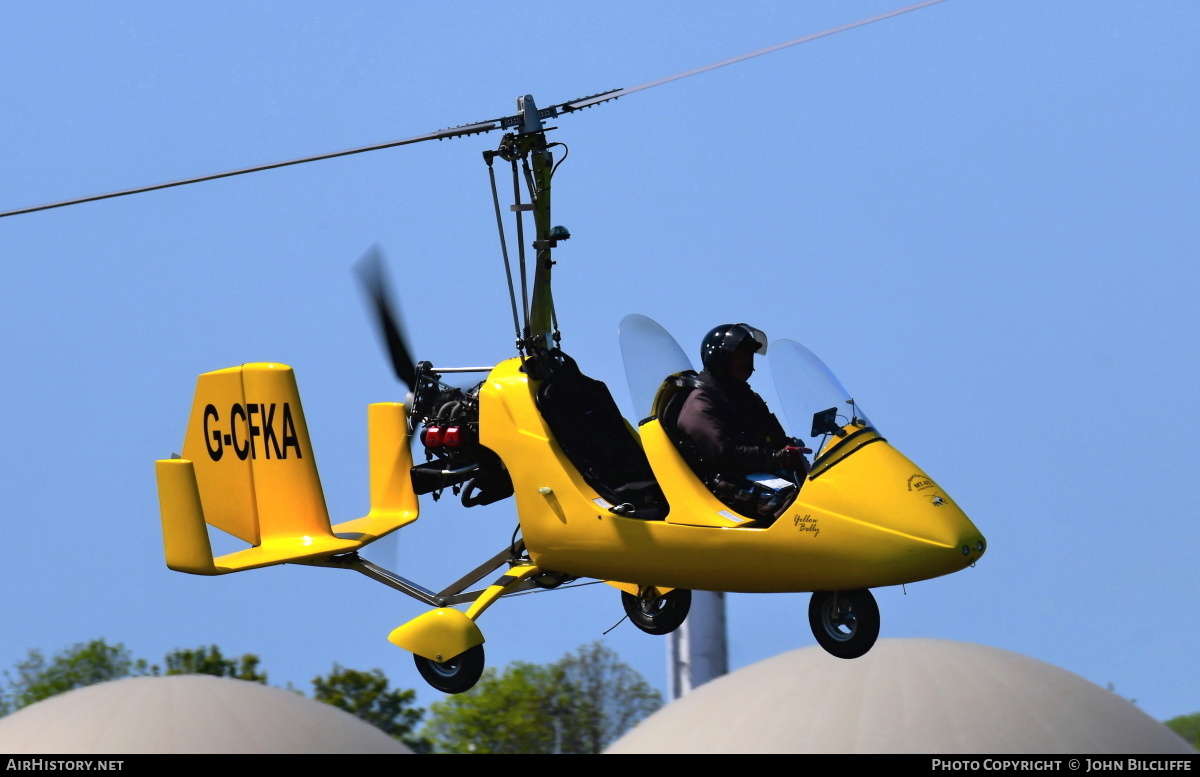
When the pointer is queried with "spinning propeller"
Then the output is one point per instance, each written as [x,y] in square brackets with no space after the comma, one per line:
[373,275]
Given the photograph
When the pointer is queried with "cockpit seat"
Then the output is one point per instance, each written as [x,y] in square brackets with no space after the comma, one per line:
[594,436]
[675,392]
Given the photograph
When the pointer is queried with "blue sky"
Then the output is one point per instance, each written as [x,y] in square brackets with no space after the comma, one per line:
[983,216]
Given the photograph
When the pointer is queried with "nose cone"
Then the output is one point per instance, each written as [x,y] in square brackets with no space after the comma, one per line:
[905,522]
[947,537]
[926,513]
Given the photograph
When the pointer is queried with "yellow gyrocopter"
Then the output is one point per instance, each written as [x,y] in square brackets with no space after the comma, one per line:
[595,497]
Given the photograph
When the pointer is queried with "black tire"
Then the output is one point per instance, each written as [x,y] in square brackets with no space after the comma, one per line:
[660,615]
[845,623]
[455,675]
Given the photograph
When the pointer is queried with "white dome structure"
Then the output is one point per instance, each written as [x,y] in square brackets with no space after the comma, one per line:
[905,696]
[187,714]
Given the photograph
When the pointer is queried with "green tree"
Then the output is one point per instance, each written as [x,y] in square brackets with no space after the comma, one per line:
[366,695]
[1188,727]
[579,704]
[85,663]
[506,712]
[612,697]
[208,660]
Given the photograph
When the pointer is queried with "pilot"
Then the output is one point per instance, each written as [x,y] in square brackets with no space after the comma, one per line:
[732,434]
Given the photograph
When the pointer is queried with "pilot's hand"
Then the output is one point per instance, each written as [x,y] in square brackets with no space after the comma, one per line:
[791,458]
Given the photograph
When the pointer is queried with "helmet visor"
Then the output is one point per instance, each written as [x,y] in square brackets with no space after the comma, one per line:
[759,337]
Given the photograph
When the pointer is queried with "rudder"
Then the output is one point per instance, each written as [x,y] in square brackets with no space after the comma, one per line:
[254,473]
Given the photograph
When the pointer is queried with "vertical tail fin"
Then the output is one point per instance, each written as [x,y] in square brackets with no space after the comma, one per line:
[393,501]
[185,539]
[248,469]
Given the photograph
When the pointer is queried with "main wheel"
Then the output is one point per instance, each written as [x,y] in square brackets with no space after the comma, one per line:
[658,614]
[845,623]
[455,675]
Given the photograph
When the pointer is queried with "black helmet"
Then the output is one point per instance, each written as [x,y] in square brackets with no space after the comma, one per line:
[723,340]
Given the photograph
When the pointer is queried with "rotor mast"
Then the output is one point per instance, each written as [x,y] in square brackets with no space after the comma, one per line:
[528,146]
[542,330]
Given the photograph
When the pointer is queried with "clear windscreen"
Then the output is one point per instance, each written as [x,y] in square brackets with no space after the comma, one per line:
[808,388]
[650,354]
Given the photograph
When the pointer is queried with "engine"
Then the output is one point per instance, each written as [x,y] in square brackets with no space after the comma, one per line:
[449,421]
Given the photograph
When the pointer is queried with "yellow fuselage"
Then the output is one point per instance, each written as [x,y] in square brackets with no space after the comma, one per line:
[866,517]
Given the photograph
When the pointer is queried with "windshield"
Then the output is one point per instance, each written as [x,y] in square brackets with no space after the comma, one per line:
[650,355]
[812,397]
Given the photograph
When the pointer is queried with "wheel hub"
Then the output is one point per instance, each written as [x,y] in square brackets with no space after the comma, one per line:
[840,620]
[651,605]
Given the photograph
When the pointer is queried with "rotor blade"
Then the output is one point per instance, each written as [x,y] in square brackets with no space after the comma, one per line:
[453,132]
[505,122]
[371,272]
[587,102]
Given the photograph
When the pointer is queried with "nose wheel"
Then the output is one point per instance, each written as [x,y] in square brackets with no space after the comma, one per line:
[658,614]
[845,623]
[453,675]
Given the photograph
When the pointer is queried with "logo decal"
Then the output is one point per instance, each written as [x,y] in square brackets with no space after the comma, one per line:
[807,523]
[935,500]
[275,440]
[919,482]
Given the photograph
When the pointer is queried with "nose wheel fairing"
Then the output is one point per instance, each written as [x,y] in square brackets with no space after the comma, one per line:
[446,643]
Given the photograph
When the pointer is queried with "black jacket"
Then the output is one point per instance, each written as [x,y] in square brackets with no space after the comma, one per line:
[730,427]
